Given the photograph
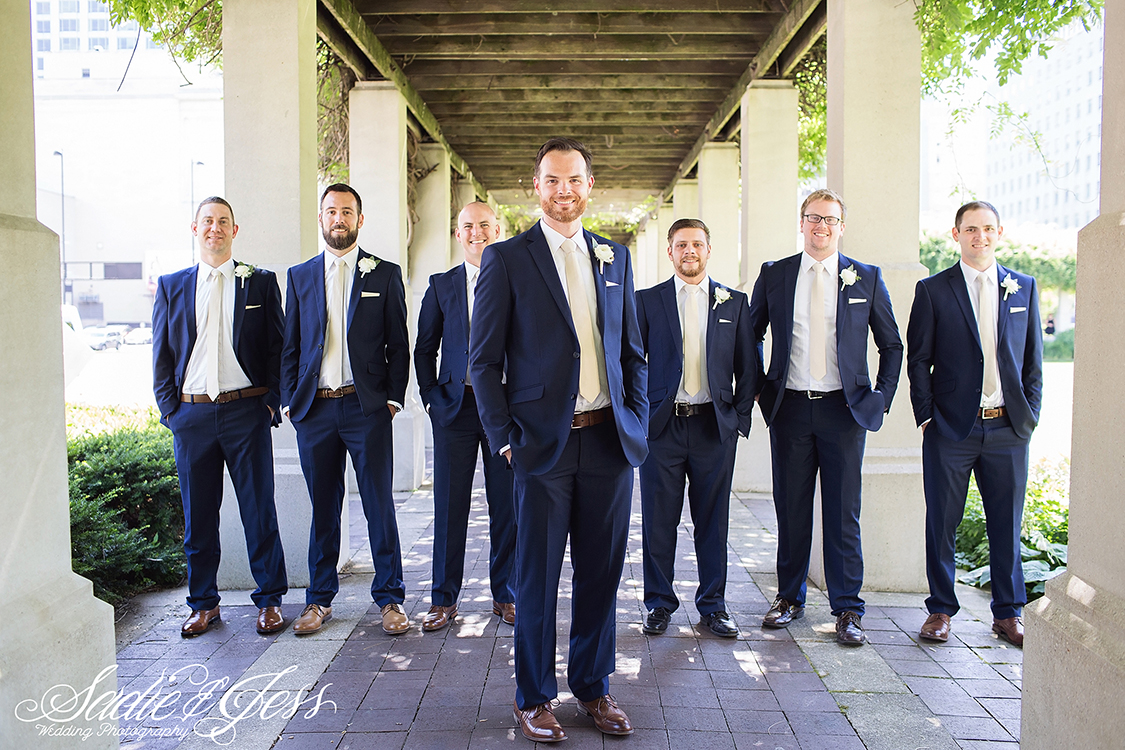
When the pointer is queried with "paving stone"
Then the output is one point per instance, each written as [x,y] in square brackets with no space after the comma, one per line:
[894,722]
[765,742]
[975,728]
[718,740]
[1002,708]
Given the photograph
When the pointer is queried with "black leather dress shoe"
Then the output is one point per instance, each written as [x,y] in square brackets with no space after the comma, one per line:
[849,631]
[720,624]
[782,613]
[657,621]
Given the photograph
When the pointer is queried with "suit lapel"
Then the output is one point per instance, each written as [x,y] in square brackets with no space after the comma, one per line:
[239,309]
[960,290]
[540,253]
[841,296]
[672,309]
[187,289]
[712,319]
[599,279]
[357,289]
[788,291]
[459,279]
[319,302]
[1003,306]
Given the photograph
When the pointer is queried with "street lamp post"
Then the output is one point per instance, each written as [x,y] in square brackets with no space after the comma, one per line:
[62,232]
[194,164]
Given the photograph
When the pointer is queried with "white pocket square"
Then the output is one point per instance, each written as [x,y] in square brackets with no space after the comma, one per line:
[368,294]
[609,283]
[252,307]
[1017,309]
[855,300]
[723,320]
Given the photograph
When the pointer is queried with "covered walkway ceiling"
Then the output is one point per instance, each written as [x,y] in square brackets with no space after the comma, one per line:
[644,83]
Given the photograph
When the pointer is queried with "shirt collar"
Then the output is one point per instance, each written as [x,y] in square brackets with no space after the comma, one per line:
[226,269]
[351,257]
[971,273]
[555,238]
[471,271]
[831,263]
[680,283]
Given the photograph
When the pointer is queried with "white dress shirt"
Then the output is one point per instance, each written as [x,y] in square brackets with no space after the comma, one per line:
[800,369]
[472,273]
[349,259]
[555,241]
[702,298]
[992,280]
[231,376]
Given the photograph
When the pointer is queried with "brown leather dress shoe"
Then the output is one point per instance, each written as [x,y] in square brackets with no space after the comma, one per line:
[782,613]
[1009,629]
[506,611]
[849,629]
[538,723]
[936,628]
[270,620]
[312,619]
[395,620]
[606,715]
[438,617]
[199,621]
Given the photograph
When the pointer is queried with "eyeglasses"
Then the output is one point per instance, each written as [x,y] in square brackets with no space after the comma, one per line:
[829,220]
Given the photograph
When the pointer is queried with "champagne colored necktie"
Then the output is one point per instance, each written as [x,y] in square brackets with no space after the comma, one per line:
[988,336]
[214,332]
[818,358]
[588,385]
[337,313]
[692,380]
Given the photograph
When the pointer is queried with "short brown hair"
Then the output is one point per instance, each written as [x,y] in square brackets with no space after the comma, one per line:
[825,194]
[679,224]
[340,187]
[566,144]
[214,199]
[971,206]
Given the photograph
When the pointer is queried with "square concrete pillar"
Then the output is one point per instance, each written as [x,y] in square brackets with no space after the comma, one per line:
[665,215]
[378,164]
[648,252]
[57,633]
[874,114]
[269,126]
[685,200]
[1074,654]
[719,200]
[769,229]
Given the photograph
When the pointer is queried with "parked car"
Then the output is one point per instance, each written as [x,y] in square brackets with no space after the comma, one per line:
[140,335]
[101,339]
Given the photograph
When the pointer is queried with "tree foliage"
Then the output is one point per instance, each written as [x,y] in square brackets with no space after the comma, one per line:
[1052,271]
[811,81]
[191,30]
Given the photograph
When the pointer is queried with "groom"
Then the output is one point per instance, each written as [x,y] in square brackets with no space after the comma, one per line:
[560,379]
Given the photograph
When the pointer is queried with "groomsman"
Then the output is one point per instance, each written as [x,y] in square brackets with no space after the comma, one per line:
[702,377]
[216,348]
[818,401]
[975,363]
[447,392]
[555,313]
[344,371]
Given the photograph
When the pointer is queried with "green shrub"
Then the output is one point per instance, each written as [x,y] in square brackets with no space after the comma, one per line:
[1043,535]
[1061,348]
[127,523]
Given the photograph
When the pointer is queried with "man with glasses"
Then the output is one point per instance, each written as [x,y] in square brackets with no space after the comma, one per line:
[818,401]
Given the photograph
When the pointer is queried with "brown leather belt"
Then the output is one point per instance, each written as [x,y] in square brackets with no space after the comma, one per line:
[813,395]
[224,398]
[344,390]
[591,418]
[468,389]
[684,409]
[999,411]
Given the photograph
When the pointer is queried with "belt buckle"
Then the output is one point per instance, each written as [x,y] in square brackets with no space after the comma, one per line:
[682,409]
[814,395]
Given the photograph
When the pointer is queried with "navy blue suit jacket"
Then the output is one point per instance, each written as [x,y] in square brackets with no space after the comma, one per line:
[732,363]
[864,305]
[443,324]
[378,344]
[256,335]
[945,363]
[522,322]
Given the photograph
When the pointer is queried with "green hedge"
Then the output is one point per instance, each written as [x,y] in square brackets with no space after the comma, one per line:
[126,518]
[1060,348]
[1043,536]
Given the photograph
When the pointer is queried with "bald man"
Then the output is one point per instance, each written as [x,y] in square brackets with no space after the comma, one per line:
[447,393]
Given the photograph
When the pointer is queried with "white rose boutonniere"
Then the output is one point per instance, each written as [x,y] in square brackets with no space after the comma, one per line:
[1011,286]
[604,254]
[848,276]
[244,271]
[721,296]
[367,265]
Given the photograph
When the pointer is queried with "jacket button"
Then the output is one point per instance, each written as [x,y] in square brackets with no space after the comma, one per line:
[572,397]
[321,346]
[577,355]
[466,351]
[462,380]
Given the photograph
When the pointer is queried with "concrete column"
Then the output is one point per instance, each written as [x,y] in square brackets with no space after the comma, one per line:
[378,164]
[874,64]
[719,199]
[685,200]
[648,254]
[269,128]
[769,229]
[665,215]
[430,251]
[1074,656]
[58,634]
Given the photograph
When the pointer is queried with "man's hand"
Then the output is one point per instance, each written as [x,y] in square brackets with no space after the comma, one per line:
[394,410]
[508,455]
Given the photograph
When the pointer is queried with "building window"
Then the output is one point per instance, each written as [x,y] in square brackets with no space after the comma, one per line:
[42,9]
[42,27]
[124,42]
[124,270]
[68,24]
[85,72]
[98,43]
[68,6]
[39,64]
[127,26]
[68,43]
[97,7]
[43,45]
[99,24]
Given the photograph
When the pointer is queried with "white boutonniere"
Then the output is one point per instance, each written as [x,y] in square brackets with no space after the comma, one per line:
[367,265]
[604,254]
[244,271]
[848,276]
[1011,286]
[721,296]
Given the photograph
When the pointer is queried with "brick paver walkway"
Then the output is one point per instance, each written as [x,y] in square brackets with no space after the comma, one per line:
[792,689]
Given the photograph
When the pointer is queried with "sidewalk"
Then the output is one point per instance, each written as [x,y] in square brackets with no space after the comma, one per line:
[791,689]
